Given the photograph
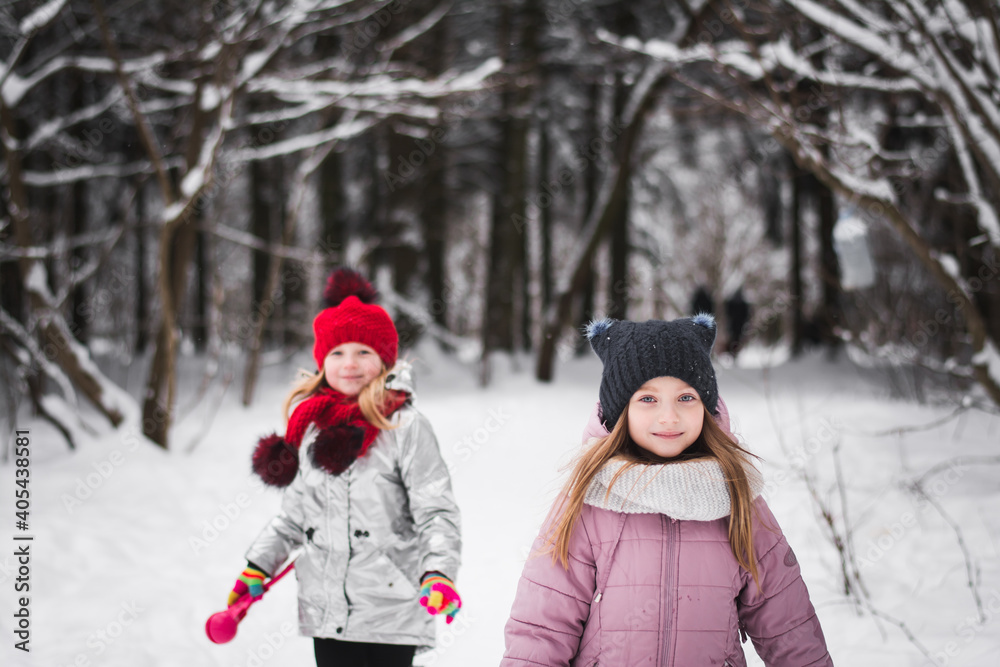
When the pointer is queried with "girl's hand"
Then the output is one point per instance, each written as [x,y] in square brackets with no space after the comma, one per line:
[438,596]
[250,581]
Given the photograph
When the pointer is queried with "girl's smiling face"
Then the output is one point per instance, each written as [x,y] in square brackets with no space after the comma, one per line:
[665,416]
[350,366]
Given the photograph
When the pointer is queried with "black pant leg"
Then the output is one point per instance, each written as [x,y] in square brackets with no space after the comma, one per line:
[390,655]
[333,653]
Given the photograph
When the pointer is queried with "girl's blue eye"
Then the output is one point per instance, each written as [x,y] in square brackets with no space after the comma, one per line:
[687,398]
[643,399]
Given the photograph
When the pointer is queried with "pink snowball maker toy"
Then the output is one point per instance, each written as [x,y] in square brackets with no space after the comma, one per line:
[221,627]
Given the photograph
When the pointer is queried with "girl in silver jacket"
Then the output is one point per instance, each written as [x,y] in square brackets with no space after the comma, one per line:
[369,503]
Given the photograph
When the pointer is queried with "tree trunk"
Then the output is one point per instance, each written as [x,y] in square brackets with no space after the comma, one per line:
[618,301]
[796,325]
[261,312]
[545,215]
[625,25]
[377,210]
[770,189]
[828,318]
[79,325]
[141,305]
[503,314]
[276,288]
[403,204]
[434,217]
[926,254]
[176,249]
[333,210]
[586,306]
[333,181]
[199,328]
[599,220]
[56,340]
[262,225]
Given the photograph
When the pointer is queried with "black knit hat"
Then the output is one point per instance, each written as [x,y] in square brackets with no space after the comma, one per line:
[635,352]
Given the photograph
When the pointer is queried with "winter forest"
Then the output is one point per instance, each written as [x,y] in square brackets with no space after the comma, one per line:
[178,179]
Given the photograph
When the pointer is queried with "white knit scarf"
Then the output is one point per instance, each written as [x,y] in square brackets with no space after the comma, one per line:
[690,490]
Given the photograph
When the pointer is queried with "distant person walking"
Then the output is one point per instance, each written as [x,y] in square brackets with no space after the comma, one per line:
[702,301]
[737,318]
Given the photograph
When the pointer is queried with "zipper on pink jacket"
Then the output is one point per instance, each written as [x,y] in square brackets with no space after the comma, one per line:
[672,530]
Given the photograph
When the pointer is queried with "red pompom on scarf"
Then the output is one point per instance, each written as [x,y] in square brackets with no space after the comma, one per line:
[344,436]
[274,461]
[336,448]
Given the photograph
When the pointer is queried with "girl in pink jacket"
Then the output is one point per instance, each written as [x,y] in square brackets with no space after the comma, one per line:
[660,550]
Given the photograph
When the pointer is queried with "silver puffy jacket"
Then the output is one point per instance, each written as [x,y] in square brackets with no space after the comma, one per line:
[367,536]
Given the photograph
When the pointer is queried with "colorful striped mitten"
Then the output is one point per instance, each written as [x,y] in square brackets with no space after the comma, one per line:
[250,581]
[438,595]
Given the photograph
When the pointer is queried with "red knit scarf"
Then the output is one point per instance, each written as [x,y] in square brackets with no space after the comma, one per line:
[344,436]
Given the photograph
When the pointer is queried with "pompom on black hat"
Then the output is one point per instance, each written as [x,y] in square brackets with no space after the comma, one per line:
[635,352]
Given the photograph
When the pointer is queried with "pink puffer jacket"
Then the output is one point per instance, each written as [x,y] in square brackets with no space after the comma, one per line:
[647,589]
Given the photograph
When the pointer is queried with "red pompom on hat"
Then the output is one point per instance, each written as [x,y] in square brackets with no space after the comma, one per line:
[353,317]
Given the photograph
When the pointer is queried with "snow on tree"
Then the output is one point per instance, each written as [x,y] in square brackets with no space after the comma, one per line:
[188,96]
[877,100]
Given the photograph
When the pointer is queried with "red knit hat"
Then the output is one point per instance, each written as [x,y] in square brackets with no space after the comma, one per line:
[353,317]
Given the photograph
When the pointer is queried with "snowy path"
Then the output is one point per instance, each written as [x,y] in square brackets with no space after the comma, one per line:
[126,564]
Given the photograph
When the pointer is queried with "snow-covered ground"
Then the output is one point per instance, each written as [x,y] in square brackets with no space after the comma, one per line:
[135,547]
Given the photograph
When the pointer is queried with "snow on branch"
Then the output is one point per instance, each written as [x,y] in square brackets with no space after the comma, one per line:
[64,176]
[27,341]
[147,135]
[339,132]
[383,86]
[784,55]
[866,39]
[199,175]
[81,274]
[283,115]
[926,67]
[49,129]
[737,55]
[12,87]
[414,31]
[41,17]
[596,220]
[989,359]
[61,247]
[467,348]
[987,213]
[95,64]
[250,241]
[71,356]
[113,399]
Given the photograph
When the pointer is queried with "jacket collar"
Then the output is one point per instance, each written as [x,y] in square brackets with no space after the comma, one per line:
[400,378]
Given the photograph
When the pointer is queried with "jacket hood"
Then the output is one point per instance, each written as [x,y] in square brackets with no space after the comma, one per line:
[691,490]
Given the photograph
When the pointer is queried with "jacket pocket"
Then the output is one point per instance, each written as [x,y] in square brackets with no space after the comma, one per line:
[392,581]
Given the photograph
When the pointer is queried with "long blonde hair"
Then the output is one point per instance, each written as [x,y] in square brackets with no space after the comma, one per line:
[712,443]
[372,399]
